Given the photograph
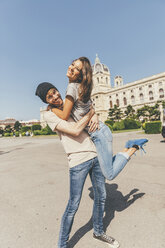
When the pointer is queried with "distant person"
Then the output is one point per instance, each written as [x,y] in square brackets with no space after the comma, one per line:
[27,133]
[163,130]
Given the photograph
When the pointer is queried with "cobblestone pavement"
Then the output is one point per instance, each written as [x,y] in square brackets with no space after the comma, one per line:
[35,186]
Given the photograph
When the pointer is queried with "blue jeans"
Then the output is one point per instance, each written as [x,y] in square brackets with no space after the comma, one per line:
[110,165]
[78,175]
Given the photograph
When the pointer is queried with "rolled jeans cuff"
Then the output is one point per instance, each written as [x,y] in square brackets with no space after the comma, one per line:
[125,154]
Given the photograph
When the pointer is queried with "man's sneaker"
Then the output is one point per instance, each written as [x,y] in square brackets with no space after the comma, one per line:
[113,243]
[136,142]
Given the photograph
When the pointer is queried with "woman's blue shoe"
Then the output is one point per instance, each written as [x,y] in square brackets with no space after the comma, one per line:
[137,142]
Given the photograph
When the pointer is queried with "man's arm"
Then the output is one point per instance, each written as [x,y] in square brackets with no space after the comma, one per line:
[75,128]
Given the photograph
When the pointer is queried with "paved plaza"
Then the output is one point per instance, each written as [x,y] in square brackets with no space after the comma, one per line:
[34,189]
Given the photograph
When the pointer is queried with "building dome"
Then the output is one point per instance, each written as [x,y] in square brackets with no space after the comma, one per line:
[98,67]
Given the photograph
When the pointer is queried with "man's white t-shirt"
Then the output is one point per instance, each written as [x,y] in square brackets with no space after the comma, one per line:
[78,149]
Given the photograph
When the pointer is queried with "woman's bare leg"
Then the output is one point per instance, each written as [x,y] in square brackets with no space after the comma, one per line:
[130,151]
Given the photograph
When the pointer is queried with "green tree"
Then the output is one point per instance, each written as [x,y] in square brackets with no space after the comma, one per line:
[142,113]
[8,129]
[163,104]
[154,113]
[47,130]
[17,126]
[115,113]
[1,131]
[129,112]
[150,113]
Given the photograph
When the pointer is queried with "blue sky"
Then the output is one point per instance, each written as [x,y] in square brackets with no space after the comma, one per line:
[39,39]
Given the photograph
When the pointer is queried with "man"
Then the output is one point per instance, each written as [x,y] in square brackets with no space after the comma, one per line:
[82,160]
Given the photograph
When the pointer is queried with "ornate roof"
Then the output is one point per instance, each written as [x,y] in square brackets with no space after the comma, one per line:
[98,67]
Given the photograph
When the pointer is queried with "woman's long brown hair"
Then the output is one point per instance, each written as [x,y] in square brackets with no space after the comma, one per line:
[85,80]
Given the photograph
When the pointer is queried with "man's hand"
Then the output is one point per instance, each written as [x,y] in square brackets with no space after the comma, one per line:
[93,123]
[49,108]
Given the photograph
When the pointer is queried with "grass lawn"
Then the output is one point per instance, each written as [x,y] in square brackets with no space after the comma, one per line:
[128,130]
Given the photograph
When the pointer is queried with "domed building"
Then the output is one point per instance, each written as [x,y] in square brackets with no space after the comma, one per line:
[101,76]
[138,93]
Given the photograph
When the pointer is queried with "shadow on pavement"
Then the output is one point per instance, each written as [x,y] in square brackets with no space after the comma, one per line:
[115,201]
[2,152]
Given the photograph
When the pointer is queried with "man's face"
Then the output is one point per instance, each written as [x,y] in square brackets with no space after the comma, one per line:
[53,97]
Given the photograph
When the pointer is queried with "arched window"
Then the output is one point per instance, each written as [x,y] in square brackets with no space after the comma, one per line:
[141,97]
[111,105]
[117,102]
[161,93]
[151,95]
[125,101]
[132,99]
[106,80]
[98,80]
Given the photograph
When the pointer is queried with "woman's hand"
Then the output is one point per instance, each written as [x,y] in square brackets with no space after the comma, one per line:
[93,123]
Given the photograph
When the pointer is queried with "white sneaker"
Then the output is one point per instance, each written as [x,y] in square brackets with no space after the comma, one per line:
[113,243]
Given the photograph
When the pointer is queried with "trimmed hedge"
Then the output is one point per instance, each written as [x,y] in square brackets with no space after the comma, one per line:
[109,122]
[153,127]
[44,131]
[110,127]
[118,125]
[37,132]
[144,125]
[47,130]
[131,124]
[17,134]
[36,127]
[24,129]
[6,134]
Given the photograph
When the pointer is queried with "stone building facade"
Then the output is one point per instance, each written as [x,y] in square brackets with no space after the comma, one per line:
[138,93]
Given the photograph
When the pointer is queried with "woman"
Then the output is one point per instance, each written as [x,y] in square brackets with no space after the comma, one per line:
[78,103]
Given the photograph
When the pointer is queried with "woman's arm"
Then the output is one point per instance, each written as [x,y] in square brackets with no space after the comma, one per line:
[65,113]
[75,128]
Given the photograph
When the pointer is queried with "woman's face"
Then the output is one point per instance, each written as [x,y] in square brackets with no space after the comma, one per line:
[74,70]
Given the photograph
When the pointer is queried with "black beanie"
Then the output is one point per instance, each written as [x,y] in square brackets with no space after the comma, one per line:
[43,89]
